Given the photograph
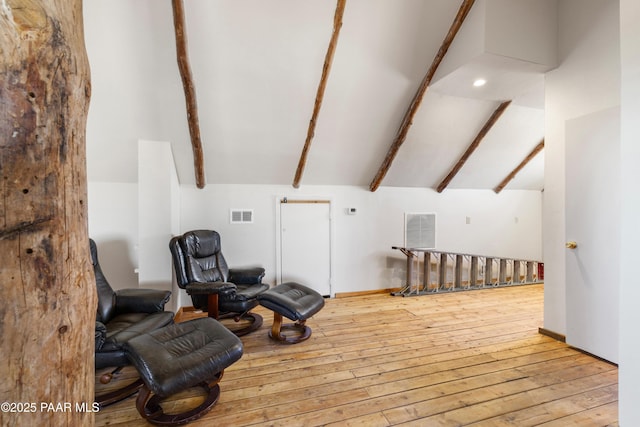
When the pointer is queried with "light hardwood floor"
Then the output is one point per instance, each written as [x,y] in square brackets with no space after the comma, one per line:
[448,359]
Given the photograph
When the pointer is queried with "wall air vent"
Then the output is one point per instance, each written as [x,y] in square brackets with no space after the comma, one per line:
[241,216]
[420,230]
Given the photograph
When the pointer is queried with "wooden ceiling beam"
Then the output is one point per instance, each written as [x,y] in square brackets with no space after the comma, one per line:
[328,60]
[407,121]
[189,90]
[538,148]
[476,142]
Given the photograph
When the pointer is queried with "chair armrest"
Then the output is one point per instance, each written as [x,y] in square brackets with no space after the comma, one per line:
[246,276]
[141,300]
[101,334]
[208,288]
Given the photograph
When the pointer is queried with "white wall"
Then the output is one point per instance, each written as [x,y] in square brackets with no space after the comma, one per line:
[158,216]
[113,224]
[136,90]
[524,30]
[587,80]
[505,224]
[629,374]
[132,223]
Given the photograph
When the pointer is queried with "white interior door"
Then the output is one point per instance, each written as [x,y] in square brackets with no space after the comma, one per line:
[305,244]
[592,210]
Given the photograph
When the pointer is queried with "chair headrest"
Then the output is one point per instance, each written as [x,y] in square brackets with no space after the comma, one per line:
[106,295]
[94,252]
[201,243]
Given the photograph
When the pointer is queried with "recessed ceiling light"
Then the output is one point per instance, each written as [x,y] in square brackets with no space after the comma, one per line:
[479,82]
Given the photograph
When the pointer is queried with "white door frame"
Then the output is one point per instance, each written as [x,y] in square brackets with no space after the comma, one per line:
[309,199]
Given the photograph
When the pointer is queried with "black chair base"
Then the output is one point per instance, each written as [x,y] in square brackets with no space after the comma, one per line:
[148,406]
[116,396]
[106,398]
[254,322]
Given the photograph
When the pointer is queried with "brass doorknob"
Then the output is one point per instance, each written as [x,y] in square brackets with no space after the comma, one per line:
[571,245]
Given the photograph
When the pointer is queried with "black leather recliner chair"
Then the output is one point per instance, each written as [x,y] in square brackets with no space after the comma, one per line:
[214,287]
[123,315]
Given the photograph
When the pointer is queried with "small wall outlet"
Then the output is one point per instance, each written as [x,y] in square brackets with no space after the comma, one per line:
[467,219]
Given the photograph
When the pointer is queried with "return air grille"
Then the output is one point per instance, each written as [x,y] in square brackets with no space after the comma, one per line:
[420,230]
[241,216]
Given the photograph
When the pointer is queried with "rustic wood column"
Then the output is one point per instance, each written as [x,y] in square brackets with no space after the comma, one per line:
[47,289]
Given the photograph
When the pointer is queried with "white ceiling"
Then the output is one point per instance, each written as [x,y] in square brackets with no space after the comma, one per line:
[257,65]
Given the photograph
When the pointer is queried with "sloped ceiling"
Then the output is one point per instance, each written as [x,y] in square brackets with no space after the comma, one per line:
[257,64]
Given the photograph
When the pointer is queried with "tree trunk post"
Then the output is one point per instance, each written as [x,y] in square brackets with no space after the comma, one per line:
[47,290]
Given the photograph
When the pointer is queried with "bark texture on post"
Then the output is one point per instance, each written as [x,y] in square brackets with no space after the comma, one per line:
[47,289]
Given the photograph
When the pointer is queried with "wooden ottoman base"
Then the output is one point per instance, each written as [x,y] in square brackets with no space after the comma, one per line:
[148,405]
[302,331]
[295,302]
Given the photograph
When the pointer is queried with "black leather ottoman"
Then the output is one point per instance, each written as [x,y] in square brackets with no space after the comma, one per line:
[178,357]
[295,302]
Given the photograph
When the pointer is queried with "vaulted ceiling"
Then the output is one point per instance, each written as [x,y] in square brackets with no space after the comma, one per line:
[257,66]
